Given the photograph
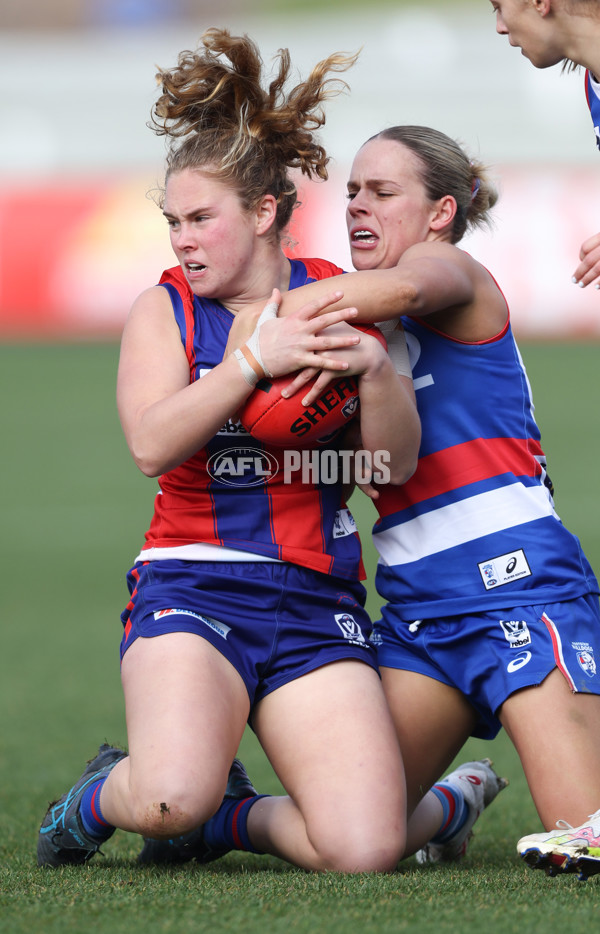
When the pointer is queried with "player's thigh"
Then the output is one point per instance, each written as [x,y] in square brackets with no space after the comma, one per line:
[331,741]
[557,735]
[432,721]
[186,709]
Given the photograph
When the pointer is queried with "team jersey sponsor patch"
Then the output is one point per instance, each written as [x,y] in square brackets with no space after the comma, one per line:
[504,569]
[213,624]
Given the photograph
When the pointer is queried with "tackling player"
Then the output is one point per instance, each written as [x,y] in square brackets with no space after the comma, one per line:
[492,615]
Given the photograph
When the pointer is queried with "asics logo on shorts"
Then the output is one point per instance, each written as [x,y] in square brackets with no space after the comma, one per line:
[519,661]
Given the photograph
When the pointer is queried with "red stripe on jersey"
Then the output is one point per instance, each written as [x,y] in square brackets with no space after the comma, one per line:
[461,465]
[135,573]
[305,505]
[176,277]
[557,649]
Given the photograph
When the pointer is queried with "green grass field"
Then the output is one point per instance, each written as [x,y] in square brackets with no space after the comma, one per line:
[74,509]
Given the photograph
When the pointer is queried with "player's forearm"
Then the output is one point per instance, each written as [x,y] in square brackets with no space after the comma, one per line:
[389,422]
[378,294]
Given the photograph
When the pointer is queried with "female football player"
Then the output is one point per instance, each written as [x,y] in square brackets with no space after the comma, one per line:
[568,31]
[246,601]
[491,616]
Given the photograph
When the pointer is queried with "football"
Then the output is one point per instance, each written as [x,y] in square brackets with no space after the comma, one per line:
[271,418]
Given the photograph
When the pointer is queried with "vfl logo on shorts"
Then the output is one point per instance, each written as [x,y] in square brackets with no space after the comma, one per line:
[504,569]
[344,524]
[585,657]
[351,630]
[516,632]
[213,624]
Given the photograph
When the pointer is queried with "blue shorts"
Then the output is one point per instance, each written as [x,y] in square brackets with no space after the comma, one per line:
[273,622]
[489,656]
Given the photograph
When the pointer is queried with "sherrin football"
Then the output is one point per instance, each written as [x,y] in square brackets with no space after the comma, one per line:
[271,418]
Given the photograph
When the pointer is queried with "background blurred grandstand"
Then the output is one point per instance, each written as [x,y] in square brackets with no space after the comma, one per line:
[79,235]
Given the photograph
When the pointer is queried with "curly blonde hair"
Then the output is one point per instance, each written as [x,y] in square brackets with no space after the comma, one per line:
[219,118]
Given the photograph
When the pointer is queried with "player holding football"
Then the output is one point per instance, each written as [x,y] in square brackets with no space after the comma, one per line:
[246,601]
[568,31]
[492,614]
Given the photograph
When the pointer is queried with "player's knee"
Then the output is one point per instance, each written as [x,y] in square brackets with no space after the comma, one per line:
[170,808]
[364,852]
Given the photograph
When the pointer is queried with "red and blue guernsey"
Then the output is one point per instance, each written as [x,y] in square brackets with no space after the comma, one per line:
[592,93]
[475,528]
[231,498]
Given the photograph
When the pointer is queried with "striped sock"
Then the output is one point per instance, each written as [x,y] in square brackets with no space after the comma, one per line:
[91,816]
[228,828]
[455,811]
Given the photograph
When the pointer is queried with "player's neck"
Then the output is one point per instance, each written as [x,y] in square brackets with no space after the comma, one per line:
[584,43]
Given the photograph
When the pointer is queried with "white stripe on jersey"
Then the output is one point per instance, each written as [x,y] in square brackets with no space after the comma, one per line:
[558,650]
[458,523]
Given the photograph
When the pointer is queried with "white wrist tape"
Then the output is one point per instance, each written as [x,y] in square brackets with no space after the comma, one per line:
[397,347]
[253,343]
[249,374]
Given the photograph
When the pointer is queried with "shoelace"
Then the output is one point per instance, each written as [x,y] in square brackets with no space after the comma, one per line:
[565,825]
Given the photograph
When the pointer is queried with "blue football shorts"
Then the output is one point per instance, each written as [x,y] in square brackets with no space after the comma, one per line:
[489,656]
[274,622]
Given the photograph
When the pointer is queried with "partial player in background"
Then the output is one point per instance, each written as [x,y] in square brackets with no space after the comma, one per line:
[492,614]
[246,601]
[549,32]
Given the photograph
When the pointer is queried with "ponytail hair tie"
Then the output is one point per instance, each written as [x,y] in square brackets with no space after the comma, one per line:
[475,187]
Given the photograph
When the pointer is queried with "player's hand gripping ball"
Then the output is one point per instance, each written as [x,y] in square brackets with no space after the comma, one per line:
[271,418]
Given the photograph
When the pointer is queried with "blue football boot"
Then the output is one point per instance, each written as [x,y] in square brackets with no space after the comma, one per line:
[62,839]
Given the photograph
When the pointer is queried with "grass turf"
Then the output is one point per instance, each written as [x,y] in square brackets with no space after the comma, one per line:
[73,512]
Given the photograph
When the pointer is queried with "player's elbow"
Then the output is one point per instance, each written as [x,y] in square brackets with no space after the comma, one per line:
[148,460]
[403,471]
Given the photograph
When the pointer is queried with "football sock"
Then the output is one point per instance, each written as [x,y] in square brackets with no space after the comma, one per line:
[228,828]
[455,811]
[91,816]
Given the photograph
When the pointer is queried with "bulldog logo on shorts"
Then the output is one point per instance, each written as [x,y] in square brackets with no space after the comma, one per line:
[585,657]
[350,628]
